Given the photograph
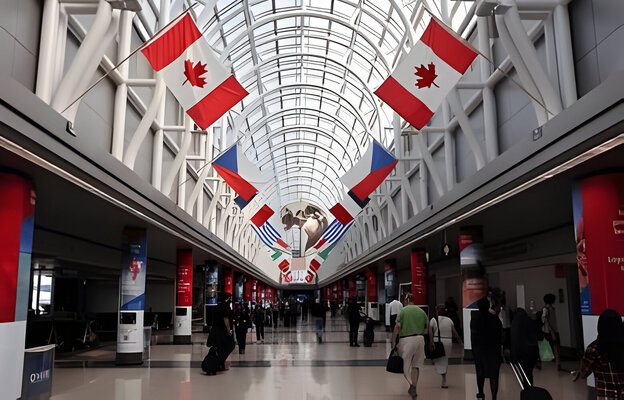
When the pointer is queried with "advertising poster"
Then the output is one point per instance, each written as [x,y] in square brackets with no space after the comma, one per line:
[598,207]
[184,279]
[133,269]
[390,283]
[371,286]
[471,253]
[212,282]
[419,276]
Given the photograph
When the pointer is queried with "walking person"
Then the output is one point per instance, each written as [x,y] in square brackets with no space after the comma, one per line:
[604,357]
[395,308]
[524,335]
[259,317]
[220,335]
[318,316]
[410,327]
[442,329]
[275,312]
[242,322]
[550,328]
[486,335]
[354,322]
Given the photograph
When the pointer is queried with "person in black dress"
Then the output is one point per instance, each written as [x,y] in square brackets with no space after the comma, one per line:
[242,321]
[524,350]
[486,335]
[221,332]
[354,322]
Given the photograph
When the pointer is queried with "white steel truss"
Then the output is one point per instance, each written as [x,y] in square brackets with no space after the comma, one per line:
[311,67]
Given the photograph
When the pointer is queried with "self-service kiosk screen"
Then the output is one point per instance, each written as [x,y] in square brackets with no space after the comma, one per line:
[180,312]
[128,318]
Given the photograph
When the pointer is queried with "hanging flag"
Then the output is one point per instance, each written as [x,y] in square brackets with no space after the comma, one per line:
[267,226]
[316,262]
[369,172]
[332,234]
[348,208]
[193,73]
[421,81]
[244,177]
[283,265]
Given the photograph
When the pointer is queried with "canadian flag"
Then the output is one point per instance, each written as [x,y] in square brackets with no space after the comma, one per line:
[421,81]
[193,73]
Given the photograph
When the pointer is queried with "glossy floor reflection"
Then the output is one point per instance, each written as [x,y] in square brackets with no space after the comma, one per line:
[289,365]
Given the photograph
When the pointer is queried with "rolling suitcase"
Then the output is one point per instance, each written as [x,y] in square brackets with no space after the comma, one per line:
[529,392]
[210,365]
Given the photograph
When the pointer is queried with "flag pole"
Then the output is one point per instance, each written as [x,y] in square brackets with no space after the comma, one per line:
[129,55]
[469,45]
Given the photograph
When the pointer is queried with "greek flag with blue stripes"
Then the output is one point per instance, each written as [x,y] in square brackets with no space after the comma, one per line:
[267,233]
[335,231]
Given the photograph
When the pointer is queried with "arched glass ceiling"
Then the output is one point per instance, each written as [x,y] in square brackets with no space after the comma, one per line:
[311,67]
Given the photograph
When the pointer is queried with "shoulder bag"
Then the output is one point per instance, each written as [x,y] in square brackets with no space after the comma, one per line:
[438,350]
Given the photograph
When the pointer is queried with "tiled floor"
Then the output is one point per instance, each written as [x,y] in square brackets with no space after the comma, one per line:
[290,365]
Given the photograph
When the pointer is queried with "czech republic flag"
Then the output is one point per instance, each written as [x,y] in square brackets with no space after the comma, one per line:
[240,174]
[362,180]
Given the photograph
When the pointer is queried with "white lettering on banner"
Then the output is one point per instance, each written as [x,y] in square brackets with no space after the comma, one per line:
[40,376]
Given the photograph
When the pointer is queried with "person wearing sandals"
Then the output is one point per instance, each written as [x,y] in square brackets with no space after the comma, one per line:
[410,327]
[442,329]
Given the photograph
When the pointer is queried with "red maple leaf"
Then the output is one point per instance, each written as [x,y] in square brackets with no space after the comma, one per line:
[426,76]
[193,73]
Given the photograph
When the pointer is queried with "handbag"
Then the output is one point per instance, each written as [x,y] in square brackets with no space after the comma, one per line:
[545,351]
[438,349]
[395,362]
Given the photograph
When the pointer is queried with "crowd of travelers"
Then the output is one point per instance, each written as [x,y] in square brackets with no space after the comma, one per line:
[497,334]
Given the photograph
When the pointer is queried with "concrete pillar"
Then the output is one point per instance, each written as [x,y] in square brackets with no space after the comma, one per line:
[184,298]
[17,209]
[132,297]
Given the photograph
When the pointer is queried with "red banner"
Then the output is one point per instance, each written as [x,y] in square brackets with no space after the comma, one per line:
[598,205]
[371,286]
[248,289]
[471,253]
[228,280]
[419,276]
[17,207]
[184,280]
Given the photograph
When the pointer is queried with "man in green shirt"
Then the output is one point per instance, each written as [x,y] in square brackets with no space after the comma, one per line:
[412,324]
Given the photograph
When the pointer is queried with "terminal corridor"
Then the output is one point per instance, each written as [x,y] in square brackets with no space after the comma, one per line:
[446,176]
[290,364]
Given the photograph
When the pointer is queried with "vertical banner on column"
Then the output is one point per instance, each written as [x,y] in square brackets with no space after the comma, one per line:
[212,282]
[184,298]
[371,285]
[474,280]
[248,289]
[598,206]
[228,280]
[419,276]
[17,209]
[132,297]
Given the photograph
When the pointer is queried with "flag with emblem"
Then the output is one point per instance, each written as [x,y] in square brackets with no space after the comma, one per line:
[421,81]
[283,265]
[205,88]
[316,262]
